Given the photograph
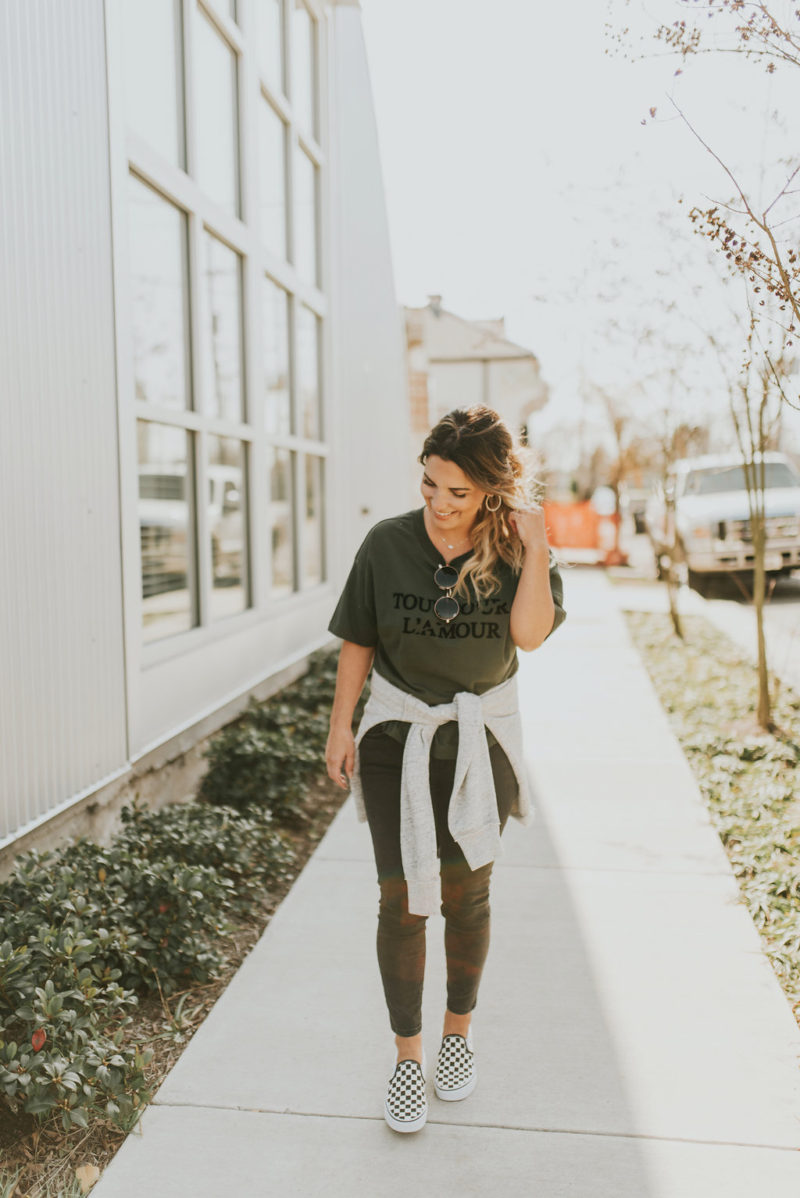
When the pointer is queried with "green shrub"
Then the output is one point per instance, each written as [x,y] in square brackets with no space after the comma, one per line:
[243,847]
[85,929]
[261,761]
[60,1051]
[268,756]
[148,922]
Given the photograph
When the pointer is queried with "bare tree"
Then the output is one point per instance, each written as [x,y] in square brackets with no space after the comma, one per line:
[756,392]
[676,439]
[758,241]
[758,244]
[628,457]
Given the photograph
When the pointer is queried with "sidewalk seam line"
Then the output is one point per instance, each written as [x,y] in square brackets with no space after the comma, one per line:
[558,1131]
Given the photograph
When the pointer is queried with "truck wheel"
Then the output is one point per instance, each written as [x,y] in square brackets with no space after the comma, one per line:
[699,582]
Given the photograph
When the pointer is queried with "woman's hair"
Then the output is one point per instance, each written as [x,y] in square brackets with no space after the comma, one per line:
[480,444]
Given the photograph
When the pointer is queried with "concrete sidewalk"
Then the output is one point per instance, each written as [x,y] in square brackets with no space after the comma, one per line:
[631,1037]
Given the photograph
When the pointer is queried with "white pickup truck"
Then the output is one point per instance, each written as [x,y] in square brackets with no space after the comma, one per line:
[711,524]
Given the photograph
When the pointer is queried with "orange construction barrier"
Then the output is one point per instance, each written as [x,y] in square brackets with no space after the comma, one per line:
[580,526]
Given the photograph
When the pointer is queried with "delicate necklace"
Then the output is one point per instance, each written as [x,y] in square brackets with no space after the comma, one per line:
[447,543]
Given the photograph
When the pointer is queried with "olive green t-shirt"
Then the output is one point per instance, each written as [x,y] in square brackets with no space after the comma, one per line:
[387,604]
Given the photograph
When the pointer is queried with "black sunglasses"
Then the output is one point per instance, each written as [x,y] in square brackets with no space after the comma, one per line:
[446,606]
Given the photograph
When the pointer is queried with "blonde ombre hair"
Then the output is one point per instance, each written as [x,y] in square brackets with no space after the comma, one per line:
[480,444]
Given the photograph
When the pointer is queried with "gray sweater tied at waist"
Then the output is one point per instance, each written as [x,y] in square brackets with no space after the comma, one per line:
[472,816]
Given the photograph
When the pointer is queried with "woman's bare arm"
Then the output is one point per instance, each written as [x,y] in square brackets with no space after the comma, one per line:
[533,610]
[355,662]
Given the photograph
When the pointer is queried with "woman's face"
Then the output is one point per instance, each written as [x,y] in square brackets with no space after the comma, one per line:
[451,498]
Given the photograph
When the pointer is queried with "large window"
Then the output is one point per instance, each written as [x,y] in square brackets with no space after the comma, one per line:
[208,261]
[160,298]
[281,492]
[226,524]
[152,38]
[307,372]
[269,17]
[217,123]
[166,529]
[304,68]
[305,216]
[272,178]
[275,355]
[222,340]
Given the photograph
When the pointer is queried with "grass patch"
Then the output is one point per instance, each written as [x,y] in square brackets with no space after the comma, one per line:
[748,777]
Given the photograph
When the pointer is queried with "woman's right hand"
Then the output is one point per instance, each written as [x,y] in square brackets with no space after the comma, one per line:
[340,756]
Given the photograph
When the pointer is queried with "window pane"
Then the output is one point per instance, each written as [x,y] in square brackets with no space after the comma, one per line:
[275,343]
[304,68]
[313,543]
[160,298]
[216,134]
[307,364]
[282,521]
[153,74]
[269,41]
[272,179]
[226,508]
[166,523]
[305,216]
[222,342]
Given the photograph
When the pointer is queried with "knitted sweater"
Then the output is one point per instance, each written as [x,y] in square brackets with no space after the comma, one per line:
[472,815]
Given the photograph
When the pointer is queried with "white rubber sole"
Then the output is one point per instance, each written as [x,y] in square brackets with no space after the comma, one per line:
[462,1091]
[405,1125]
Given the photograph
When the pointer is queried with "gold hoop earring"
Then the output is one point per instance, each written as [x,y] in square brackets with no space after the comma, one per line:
[489,508]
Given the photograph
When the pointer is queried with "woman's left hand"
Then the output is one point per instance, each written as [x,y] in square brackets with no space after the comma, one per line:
[529,527]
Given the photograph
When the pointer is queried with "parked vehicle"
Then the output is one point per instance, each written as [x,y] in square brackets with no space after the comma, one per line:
[710,528]
[633,502]
[165,520]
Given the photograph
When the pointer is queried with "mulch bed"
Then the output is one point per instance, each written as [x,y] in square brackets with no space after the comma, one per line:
[46,1156]
[747,776]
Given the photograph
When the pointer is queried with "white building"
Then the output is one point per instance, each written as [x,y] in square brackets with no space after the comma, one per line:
[202,385]
[456,363]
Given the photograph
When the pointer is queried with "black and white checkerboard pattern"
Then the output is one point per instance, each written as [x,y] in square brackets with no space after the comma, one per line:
[454,1067]
[406,1099]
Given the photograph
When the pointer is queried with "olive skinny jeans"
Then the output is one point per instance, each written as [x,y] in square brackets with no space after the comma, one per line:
[465,892]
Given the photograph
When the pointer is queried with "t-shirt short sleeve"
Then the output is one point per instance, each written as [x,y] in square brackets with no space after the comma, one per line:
[557,591]
[355,618]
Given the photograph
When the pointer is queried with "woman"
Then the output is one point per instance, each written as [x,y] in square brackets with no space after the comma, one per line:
[440,599]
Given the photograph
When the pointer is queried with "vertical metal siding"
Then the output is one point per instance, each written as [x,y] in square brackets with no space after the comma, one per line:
[62,705]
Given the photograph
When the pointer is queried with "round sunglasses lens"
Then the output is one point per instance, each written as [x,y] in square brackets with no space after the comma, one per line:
[446,608]
[446,577]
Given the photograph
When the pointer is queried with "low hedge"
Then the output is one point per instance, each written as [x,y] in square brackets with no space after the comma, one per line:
[85,929]
[267,756]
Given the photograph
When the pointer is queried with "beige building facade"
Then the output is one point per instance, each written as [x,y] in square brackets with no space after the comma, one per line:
[455,363]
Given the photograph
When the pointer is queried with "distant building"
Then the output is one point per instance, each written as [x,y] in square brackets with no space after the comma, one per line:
[203,383]
[455,363]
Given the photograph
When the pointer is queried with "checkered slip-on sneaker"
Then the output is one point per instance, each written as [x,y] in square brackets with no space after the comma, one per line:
[406,1105]
[455,1076]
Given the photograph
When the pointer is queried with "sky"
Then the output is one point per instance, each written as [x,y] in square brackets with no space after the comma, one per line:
[526,178]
